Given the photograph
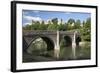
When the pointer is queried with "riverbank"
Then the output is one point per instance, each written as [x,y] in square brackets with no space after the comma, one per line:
[83,43]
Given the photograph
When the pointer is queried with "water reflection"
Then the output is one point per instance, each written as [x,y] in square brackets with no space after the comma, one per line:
[37,52]
[78,53]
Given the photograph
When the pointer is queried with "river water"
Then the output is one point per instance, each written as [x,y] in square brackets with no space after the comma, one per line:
[80,53]
[66,53]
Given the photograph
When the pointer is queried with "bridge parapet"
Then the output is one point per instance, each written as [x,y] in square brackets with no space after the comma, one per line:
[46,32]
[32,32]
[67,32]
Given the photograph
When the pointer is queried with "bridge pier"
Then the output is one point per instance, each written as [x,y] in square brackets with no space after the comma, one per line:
[56,51]
[57,47]
[74,46]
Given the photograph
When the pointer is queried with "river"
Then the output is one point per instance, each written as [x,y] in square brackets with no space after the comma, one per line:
[82,52]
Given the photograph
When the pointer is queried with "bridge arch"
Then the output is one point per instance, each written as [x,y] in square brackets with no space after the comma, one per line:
[78,39]
[47,40]
[66,41]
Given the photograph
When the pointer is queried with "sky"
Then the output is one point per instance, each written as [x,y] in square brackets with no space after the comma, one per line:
[36,15]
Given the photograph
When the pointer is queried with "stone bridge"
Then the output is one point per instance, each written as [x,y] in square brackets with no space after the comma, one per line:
[52,38]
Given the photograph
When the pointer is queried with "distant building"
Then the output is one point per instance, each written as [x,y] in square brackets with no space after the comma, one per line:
[49,21]
[33,21]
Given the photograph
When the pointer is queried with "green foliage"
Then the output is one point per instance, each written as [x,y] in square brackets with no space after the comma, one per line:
[37,47]
[62,43]
[88,23]
[52,27]
[42,26]
[62,27]
[27,27]
[77,24]
[55,21]
[70,21]
[84,29]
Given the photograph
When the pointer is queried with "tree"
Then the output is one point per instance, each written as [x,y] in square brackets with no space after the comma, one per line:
[35,25]
[83,24]
[77,24]
[55,21]
[86,30]
[54,25]
[27,27]
[61,27]
[70,23]
[42,26]
[88,23]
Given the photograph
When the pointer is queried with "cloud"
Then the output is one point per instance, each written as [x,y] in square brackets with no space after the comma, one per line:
[27,24]
[28,19]
[32,18]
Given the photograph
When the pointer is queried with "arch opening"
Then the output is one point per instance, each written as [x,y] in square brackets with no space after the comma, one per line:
[40,45]
[66,41]
[78,39]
